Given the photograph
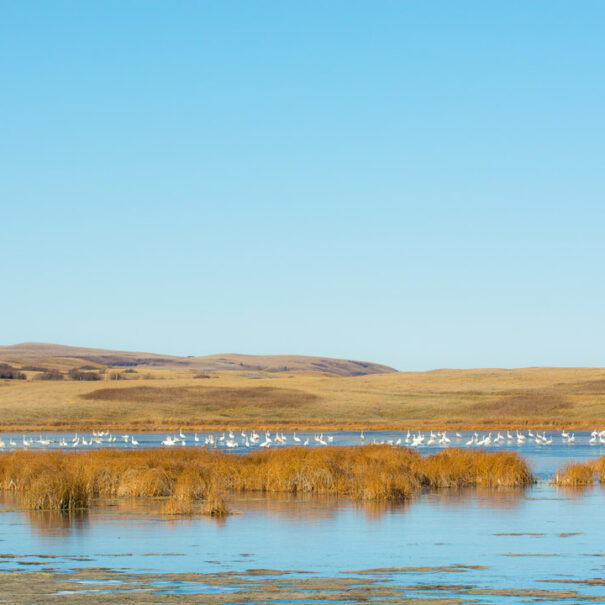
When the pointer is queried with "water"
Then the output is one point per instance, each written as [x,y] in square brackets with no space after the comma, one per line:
[517,539]
[473,545]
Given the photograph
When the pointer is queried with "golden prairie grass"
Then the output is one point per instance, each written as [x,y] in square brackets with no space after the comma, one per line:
[444,399]
[184,477]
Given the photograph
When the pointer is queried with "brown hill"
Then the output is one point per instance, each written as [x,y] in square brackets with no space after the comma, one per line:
[289,363]
[45,354]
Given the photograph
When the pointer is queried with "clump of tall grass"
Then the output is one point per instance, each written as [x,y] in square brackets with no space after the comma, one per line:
[598,467]
[187,476]
[463,468]
[45,482]
[579,474]
[189,486]
[214,505]
[61,491]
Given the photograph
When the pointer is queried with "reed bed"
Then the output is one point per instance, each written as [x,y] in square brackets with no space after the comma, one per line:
[194,479]
[581,474]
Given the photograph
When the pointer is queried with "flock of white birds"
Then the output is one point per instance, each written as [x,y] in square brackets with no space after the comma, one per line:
[253,439]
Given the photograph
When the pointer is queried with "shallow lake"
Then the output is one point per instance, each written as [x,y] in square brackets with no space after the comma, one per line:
[539,544]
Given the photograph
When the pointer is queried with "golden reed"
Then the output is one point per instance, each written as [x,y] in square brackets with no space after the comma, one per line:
[187,477]
[581,474]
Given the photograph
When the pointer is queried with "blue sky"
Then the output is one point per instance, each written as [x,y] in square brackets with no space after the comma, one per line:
[415,183]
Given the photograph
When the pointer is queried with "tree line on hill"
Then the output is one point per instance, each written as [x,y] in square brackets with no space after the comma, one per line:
[89,373]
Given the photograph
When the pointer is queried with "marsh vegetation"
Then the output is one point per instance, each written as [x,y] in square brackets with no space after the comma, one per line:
[193,480]
[581,474]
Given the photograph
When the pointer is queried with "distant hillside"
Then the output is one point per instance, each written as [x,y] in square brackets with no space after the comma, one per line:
[53,354]
[289,363]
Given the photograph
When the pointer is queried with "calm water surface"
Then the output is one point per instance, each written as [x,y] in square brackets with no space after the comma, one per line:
[525,539]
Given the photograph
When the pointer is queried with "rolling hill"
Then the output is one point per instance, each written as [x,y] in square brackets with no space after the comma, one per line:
[67,357]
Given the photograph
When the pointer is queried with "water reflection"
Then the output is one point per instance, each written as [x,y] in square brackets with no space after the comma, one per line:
[492,498]
[576,492]
[58,524]
[375,511]
[296,508]
[509,536]
[299,507]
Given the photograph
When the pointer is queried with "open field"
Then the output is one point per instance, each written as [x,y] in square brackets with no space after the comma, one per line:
[165,397]
[449,399]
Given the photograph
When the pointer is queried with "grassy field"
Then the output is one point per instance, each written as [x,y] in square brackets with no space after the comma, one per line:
[168,399]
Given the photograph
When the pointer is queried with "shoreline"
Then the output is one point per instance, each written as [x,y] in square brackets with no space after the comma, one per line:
[304,426]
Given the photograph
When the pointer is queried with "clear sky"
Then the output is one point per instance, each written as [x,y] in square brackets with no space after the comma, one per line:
[417,183]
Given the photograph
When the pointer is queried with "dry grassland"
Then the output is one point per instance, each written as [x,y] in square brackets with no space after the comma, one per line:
[162,399]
